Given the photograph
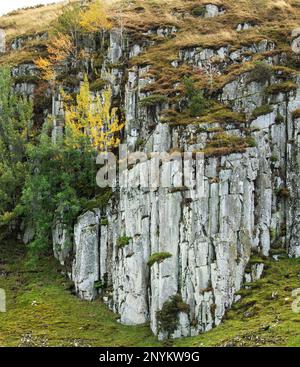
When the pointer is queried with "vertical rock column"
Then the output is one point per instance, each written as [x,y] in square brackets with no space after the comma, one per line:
[293,183]
[85,271]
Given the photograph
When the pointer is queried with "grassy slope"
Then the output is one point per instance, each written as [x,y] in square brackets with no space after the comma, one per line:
[24,21]
[42,311]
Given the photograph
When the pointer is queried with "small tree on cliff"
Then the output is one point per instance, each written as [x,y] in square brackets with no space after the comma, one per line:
[92,119]
[68,23]
[61,51]
[63,47]
[63,43]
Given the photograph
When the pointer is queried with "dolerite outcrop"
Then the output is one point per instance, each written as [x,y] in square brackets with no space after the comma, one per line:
[208,238]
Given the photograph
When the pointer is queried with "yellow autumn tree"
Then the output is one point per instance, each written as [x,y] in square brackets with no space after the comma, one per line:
[94,17]
[60,50]
[46,68]
[92,118]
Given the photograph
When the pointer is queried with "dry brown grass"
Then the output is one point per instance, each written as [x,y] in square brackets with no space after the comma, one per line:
[145,14]
[274,20]
[27,21]
[215,40]
[17,58]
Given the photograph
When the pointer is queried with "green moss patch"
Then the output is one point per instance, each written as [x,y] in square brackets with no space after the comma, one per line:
[167,317]
[158,257]
[123,241]
[261,110]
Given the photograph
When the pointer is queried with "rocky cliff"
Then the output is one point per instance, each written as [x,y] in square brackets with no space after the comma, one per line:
[210,238]
[155,252]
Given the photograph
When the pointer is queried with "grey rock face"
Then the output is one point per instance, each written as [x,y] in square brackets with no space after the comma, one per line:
[209,234]
[203,57]
[85,271]
[62,243]
[210,239]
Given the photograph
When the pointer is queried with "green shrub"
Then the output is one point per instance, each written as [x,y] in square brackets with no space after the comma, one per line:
[139,142]
[102,283]
[167,317]
[98,61]
[261,72]
[104,222]
[272,234]
[274,158]
[261,110]
[99,201]
[123,241]
[197,103]
[158,257]
[283,193]
[189,87]
[250,142]
[15,131]
[60,184]
[153,100]
[98,284]
[199,11]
